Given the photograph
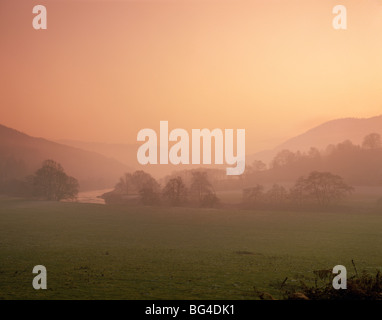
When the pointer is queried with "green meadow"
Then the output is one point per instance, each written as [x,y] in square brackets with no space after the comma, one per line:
[95,251]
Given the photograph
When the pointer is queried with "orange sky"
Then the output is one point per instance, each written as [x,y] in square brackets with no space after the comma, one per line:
[106,69]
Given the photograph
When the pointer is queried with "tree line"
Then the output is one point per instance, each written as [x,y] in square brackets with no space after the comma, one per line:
[358,164]
[141,188]
[317,190]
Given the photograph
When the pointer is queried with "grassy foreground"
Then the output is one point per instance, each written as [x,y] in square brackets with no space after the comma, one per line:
[100,252]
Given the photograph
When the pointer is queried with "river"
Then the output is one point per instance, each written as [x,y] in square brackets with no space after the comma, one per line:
[91,196]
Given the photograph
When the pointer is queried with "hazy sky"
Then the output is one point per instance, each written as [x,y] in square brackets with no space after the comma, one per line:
[103,70]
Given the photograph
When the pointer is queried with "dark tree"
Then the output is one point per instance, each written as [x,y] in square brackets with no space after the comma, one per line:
[133,183]
[132,187]
[175,192]
[372,141]
[149,189]
[122,187]
[141,180]
[313,153]
[322,187]
[284,158]
[201,190]
[52,183]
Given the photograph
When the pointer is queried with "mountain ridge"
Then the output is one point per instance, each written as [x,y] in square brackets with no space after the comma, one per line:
[330,132]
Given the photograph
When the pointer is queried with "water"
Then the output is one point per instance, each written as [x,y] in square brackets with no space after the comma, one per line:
[91,196]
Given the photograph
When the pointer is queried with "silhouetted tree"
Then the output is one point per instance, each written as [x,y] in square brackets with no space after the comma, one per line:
[132,187]
[313,153]
[175,191]
[140,180]
[52,183]
[346,146]
[283,158]
[322,187]
[372,141]
[122,187]
[201,190]
[297,193]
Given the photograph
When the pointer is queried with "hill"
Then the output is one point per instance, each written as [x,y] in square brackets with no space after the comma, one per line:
[331,132]
[127,154]
[93,170]
[124,153]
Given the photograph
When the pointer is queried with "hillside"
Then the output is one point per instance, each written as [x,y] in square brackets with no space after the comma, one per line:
[331,132]
[127,154]
[93,170]
[124,153]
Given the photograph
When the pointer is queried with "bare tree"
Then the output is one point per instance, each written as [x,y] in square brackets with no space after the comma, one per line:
[175,191]
[322,187]
[52,183]
[283,158]
[201,190]
[314,153]
[145,185]
[133,187]
[122,187]
[372,141]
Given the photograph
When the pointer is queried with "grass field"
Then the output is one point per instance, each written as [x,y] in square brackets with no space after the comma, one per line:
[101,252]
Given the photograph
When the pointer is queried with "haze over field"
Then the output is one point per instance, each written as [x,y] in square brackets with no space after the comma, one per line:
[99,165]
[103,70]
[75,201]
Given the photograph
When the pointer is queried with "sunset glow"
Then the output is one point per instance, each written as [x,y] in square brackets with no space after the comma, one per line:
[103,70]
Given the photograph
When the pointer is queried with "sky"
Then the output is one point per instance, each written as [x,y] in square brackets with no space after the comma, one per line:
[103,70]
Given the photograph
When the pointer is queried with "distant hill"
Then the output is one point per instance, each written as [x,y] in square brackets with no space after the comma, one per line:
[93,170]
[127,154]
[124,153]
[331,132]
